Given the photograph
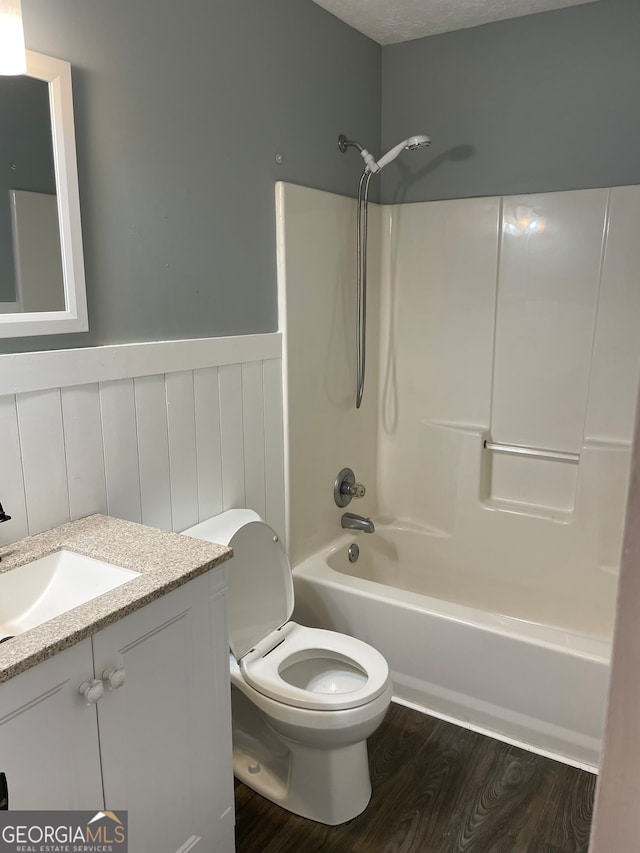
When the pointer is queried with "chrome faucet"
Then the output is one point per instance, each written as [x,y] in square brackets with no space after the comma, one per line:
[351,521]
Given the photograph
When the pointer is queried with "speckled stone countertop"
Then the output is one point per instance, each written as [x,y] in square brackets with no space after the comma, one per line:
[165,561]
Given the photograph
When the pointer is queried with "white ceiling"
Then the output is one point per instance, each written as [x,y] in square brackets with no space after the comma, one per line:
[391,21]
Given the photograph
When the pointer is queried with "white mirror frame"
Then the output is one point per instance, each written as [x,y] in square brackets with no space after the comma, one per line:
[57,73]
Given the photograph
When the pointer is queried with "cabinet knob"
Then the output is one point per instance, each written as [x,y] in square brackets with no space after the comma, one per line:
[114,676]
[91,690]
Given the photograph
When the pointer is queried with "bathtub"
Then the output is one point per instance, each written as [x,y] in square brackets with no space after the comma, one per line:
[459,647]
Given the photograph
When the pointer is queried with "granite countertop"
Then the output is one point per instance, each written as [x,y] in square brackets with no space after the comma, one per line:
[165,561]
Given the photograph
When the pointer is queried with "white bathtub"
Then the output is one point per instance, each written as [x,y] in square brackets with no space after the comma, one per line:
[453,651]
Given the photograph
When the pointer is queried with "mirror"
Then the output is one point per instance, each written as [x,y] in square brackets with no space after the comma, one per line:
[42,285]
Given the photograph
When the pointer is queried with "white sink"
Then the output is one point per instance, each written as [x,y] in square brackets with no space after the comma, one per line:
[45,588]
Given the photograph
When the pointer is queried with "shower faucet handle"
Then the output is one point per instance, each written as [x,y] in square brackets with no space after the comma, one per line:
[354,490]
[345,488]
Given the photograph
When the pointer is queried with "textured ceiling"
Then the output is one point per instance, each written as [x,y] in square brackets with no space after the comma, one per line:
[390,21]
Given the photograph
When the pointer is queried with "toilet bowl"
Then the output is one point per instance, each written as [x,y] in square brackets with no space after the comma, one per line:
[304,700]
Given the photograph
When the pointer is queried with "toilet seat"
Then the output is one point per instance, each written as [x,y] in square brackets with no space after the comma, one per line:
[358,672]
[297,666]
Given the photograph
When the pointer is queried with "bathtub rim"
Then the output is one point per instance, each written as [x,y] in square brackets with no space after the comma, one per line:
[316,566]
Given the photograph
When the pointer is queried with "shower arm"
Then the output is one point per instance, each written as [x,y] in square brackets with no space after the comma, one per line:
[344,143]
[369,159]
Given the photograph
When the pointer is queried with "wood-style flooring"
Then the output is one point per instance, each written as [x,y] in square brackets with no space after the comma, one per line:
[438,788]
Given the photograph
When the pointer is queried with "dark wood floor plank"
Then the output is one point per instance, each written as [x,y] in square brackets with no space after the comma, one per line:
[543,847]
[438,788]
[411,805]
[566,821]
[496,806]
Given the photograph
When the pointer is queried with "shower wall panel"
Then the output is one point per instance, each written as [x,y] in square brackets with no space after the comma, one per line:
[437,329]
[317,306]
[616,350]
[549,275]
[513,321]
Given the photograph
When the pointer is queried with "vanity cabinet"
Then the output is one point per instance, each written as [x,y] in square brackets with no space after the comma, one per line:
[48,737]
[157,742]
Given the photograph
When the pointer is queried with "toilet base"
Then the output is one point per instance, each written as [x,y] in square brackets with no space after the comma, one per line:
[328,786]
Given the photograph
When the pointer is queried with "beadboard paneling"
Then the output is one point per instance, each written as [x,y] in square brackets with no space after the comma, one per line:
[122,470]
[153,451]
[82,427]
[43,459]
[274,444]
[165,448]
[11,476]
[208,442]
[183,464]
[231,432]
[253,436]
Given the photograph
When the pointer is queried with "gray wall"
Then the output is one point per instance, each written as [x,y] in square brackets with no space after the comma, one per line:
[541,103]
[180,109]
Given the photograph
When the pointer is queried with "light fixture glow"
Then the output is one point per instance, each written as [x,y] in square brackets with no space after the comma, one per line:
[13,59]
[523,221]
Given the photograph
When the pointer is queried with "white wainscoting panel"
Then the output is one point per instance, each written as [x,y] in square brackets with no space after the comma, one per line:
[208,442]
[231,432]
[82,424]
[153,451]
[253,428]
[183,464]
[274,445]
[11,476]
[43,459]
[122,473]
[168,448]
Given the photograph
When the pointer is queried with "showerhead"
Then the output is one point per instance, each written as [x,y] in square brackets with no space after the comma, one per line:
[371,165]
[417,142]
[410,144]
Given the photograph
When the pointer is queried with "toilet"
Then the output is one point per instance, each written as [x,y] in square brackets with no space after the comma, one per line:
[304,700]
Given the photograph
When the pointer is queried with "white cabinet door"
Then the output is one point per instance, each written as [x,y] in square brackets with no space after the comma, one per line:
[157,737]
[48,735]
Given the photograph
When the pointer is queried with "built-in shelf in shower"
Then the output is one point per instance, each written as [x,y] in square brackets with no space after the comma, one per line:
[529,481]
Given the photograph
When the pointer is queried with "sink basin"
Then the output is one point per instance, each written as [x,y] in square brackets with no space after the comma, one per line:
[45,588]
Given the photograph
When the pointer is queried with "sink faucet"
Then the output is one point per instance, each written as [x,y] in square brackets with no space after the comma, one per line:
[351,521]
[3,517]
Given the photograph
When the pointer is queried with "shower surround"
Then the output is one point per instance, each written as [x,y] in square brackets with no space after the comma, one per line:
[501,321]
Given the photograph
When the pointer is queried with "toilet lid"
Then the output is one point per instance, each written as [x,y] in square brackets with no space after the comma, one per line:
[259,586]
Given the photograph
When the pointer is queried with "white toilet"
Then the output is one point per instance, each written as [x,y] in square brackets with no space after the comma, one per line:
[304,700]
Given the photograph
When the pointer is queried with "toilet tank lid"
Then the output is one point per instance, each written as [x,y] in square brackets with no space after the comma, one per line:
[221,528]
[259,581]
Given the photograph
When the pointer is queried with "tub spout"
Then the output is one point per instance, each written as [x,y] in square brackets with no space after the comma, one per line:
[351,521]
